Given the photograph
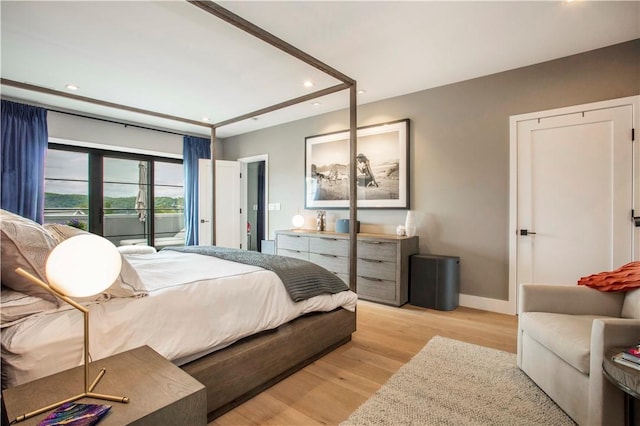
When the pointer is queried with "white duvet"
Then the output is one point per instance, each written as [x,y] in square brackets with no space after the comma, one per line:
[195,304]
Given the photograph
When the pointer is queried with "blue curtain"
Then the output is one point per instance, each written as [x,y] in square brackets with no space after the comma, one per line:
[24,145]
[193,148]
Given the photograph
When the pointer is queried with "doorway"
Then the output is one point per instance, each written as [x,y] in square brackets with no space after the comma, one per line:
[254,196]
[573,188]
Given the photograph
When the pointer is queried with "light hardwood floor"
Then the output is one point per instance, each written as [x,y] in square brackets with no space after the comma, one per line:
[329,390]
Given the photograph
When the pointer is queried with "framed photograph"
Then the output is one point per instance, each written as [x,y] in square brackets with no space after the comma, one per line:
[382,168]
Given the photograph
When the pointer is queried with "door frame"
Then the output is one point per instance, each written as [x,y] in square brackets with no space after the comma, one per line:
[634,101]
[244,161]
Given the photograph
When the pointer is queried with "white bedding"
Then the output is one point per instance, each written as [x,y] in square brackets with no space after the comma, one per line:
[195,305]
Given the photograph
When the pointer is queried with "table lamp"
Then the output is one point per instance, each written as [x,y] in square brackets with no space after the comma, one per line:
[298,220]
[81,266]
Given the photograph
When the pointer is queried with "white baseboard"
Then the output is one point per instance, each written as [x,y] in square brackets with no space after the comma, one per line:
[486,304]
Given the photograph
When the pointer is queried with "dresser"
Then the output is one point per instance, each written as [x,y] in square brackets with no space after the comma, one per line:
[382,260]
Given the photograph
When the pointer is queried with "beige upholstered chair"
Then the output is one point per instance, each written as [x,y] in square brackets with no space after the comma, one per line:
[563,333]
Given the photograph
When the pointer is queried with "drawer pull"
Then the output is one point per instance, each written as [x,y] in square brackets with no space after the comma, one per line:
[371,260]
[327,255]
[371,279]
[328,239]
[373,242]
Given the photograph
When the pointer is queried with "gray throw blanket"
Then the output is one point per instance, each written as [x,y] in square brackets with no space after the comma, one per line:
[302,279]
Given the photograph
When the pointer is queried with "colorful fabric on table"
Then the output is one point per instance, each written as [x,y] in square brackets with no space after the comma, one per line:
[75,414]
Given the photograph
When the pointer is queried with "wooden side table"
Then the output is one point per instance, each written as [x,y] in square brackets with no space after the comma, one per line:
[625,378]
[159,392]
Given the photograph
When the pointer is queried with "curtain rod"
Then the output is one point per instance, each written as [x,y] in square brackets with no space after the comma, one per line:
[121,123]
[102,118]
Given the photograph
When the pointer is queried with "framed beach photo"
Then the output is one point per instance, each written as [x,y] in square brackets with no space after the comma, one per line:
[382,168]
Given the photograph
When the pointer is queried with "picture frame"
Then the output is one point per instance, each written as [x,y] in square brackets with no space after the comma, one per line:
[382,164]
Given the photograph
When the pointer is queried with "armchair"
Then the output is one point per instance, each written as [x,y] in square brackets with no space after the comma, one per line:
[563,333]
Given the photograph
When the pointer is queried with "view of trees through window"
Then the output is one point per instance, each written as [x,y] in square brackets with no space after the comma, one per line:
[126,198]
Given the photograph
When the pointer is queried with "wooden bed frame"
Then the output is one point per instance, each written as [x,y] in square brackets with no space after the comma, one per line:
[237,373]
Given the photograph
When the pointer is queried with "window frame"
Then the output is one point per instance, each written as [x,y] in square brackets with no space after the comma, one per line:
[96,178]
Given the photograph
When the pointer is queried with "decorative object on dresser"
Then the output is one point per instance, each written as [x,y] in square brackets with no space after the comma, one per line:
[321,220]
[410,224]
[342,226]
[381,166]
[382,260]
[81,266]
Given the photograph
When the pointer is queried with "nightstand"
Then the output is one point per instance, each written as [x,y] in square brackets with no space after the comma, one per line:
[626,379]
[159,392]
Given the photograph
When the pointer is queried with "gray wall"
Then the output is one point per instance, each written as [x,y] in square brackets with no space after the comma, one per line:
[84,131]
[459,155]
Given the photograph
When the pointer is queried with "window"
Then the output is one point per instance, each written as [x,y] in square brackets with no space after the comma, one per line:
[66,186]
[127,198]
[168,202]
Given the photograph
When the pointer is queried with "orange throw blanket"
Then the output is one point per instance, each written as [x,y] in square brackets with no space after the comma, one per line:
[627,277]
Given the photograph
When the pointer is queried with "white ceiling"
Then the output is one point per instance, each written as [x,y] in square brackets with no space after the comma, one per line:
[171,57]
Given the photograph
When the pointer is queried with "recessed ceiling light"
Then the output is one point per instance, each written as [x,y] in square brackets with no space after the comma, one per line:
[308,83]
[317,104]
[206,119]
[361,92]
[71,86]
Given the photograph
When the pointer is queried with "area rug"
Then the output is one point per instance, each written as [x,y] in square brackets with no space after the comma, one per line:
[455,383]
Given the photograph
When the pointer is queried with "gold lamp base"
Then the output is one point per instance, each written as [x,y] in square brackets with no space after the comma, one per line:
[88,389]
[88,394]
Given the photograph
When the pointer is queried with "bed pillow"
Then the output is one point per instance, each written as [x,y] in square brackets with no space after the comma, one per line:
[16,305]
[136,249]
[625,278]
[62,232]
[24,244]
[128,283]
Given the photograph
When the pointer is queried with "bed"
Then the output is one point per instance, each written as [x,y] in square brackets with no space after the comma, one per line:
[239,368]
[160,242]
[233,326]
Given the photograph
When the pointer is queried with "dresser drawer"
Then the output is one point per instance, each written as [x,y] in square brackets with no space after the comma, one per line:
[328,245]
[294,253]
[377,250]
[376,269]
[293,242]
[377,289]
[338,264]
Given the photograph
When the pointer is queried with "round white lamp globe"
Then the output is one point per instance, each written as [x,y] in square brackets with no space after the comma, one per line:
[298,221]
[83,265]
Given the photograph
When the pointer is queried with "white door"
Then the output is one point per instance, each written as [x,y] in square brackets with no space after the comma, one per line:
[575,194]
[227,220]
[205,220]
